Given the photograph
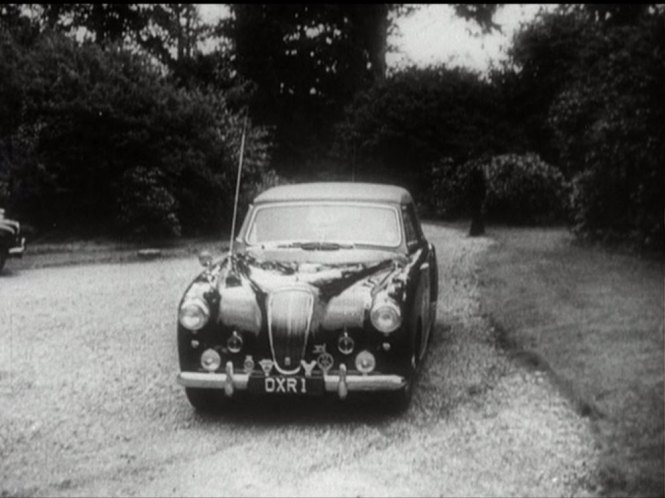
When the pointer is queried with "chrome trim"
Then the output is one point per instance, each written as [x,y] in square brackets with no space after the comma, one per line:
[354,382]
[228,382]
[308,326]
[17,251]
[424,266]
[204,380]
[342,388]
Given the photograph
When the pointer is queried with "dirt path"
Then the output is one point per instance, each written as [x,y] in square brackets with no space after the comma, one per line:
[89,406]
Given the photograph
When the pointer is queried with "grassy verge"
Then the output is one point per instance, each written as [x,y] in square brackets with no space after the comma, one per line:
[77,252]
[597,320]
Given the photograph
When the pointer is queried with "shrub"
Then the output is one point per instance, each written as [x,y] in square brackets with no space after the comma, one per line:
[446,196]
[524,189]
[609,124]
[399,127]
[95,122]
[519,189]
[146,206]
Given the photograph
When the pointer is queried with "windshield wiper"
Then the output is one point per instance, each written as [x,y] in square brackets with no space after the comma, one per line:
[318,246]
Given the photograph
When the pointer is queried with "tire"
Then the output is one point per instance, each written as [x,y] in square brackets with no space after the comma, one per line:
[205,400]
[400,400]
[3,259]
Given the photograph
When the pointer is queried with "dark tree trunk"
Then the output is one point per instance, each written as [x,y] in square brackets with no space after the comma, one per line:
[476,199]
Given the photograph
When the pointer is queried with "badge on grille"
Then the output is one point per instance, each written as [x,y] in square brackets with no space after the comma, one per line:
[266,365]
[287,361]
[249,364]
[309,367]
[325,361]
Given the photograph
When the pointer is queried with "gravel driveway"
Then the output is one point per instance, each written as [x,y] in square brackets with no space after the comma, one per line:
[89,404]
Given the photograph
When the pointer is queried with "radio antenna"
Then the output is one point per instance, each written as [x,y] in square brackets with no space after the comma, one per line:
[237,195]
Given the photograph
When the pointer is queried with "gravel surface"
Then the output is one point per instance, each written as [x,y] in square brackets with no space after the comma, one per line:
[89,405]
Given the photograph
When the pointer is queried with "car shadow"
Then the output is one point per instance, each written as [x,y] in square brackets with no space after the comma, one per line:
[369,409]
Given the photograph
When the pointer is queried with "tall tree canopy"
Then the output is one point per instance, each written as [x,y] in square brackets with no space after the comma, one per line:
[307,61]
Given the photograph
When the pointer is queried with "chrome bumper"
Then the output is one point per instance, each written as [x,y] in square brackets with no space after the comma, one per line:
[17,251]
[340,383]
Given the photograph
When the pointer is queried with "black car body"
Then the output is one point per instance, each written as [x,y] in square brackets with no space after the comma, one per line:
[331,288]
[12,242]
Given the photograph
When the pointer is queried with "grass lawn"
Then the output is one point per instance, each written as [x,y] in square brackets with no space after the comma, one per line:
[596,318]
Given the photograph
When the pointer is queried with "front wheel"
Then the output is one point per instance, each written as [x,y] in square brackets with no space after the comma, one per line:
[205,400]
[399,401]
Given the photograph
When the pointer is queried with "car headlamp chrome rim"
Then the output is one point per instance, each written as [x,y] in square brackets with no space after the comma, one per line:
[386,316]
[194,314]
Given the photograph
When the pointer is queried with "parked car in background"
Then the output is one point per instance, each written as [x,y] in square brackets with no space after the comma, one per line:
[331,288]
[12,243]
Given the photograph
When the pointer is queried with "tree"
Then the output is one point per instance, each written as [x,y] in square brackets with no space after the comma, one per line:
[307,62]
[609,127]
[107,23]
[586,80]
[398,128]
[93,123]
[172,33]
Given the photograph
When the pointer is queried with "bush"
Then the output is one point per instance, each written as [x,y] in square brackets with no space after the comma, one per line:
[446,196]
[519,189]
[96,122]
[399,127]
[610,129]
[524,189]
[146,206]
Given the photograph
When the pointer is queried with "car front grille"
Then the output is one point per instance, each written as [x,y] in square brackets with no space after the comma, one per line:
[289,321]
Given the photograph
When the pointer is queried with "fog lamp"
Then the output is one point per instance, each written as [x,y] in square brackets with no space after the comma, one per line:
[205,258]
[234,343]
[210,360]
[194,314]
[365,362]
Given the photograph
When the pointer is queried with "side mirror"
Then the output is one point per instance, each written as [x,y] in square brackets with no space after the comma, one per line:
[205,258]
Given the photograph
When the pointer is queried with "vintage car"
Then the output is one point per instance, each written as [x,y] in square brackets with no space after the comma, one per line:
[328,288]
[12,244]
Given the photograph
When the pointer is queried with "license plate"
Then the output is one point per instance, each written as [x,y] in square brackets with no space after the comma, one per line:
[286,385]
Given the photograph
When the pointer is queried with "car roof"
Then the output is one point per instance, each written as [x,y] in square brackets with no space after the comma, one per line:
[336,191]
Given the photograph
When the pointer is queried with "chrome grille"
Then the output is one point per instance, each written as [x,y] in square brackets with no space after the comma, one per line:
[289,321]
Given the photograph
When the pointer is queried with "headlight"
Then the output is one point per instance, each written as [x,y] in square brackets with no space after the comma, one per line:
[386,316]
[194,314]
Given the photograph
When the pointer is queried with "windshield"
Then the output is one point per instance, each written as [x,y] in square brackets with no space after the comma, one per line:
[325,223]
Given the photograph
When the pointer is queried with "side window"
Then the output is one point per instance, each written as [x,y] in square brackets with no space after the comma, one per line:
[411,230]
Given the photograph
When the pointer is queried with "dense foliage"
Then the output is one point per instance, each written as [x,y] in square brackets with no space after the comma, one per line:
[609,125]
[524,189]
[99,138]
[582,90]
[111,115]
[519,188]
[399,127]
